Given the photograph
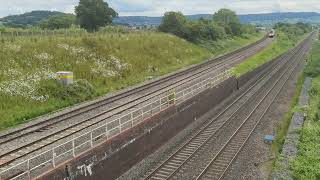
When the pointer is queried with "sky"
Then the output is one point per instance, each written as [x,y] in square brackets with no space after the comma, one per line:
[159,7]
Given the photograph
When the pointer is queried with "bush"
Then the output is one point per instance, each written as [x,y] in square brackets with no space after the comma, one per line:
[198,30]
[79,91]
[176,23]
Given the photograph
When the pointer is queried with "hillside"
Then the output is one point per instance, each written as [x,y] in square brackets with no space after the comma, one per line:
[28,19]
[261,19]
[34,17]
[272,18]
[101,64]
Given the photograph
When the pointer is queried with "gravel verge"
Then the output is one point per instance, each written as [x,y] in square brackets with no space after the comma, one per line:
[255,160]
[290,150]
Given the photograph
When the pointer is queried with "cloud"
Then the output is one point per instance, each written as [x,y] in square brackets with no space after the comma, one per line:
[10,7]
[158,7]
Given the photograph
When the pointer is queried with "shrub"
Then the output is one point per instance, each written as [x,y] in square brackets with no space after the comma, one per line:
[79,91]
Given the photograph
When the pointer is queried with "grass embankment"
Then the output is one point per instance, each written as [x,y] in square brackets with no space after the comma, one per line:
[224,46]
[101,63]
[307,163]
[282,43]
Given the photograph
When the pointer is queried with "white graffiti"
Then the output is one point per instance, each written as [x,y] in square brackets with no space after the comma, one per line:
[86,169]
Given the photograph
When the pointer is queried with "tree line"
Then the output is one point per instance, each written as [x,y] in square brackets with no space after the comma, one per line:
[294,30]
[224,23]
[93,14]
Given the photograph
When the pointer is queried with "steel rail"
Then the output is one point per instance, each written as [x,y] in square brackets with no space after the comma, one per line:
[242,126]
[202,130]
[117,97]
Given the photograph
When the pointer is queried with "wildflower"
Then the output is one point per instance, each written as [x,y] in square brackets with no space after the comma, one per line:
[63,46]
[12,47]
[44,56]
[26,85]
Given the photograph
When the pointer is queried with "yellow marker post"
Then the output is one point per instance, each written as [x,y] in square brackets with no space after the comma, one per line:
[65,77]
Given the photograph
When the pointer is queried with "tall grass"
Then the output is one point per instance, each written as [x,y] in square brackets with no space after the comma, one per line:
[102,63]
[307,163]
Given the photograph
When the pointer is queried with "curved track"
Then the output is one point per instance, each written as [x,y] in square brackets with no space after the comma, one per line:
[173,79]
[43,133]
[202,142]
[223,159]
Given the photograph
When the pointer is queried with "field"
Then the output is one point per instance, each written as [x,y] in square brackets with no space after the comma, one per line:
[102,63]
[306,165]
[282,44]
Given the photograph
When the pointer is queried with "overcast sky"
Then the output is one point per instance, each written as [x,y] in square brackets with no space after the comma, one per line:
[158,7]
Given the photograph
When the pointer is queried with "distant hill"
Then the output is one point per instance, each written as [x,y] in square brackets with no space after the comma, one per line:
[28,19]
[34,17]
[261,19]
[272,18]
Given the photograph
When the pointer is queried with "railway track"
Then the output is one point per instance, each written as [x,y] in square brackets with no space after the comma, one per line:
[224,158]
[202,144]
[202,68]
[22,149]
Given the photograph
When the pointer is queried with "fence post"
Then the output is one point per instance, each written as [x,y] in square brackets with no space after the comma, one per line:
[28,168]
[107,129]
[91,140]
[131,118]
[73,151]
[53,158]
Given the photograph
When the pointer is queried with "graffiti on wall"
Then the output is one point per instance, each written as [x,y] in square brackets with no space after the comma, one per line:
[85,170]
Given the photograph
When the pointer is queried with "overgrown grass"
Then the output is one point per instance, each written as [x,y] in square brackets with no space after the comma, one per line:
[307,164]
[102,63]
[227,45]
[283,127]
[283,43]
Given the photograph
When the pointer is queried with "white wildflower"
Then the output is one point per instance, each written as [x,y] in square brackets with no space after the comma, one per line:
[63,46]
[12,47]
[26,85]
[118,64]
[77,50]
[152,68]
[44,56]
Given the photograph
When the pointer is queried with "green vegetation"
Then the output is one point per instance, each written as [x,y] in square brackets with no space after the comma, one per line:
[93,14]
[283,127]
[288,35]
[101,62]
[58,22]
[225,23]
[29,19]
[306,165]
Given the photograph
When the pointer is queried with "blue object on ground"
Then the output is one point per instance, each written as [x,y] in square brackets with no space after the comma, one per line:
[269,138]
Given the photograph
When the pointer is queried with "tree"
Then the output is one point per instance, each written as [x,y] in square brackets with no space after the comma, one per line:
[93,14]
[229,20]
[174,23]
[58,22]
[225,17]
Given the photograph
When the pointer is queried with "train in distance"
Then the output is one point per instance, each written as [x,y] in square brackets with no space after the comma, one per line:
[272,33]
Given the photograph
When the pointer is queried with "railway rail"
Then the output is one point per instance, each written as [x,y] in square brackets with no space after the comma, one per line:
[204,142]
[10,156]
[85,109]
[228,153]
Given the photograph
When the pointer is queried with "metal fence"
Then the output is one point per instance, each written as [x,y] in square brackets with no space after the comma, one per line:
[70,149]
